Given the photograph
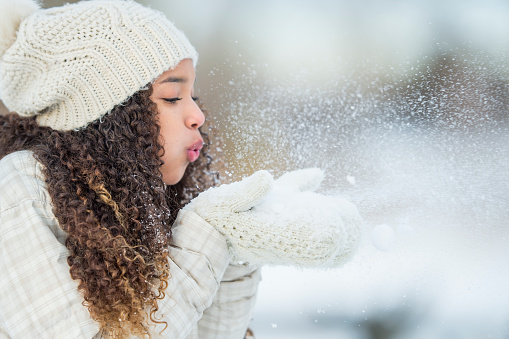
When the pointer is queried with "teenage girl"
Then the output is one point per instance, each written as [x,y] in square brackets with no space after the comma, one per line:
[99,161]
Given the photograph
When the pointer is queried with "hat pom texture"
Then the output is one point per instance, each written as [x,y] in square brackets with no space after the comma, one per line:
[71,65]
[12,12]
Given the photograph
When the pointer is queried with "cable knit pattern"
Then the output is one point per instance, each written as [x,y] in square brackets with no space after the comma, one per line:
[280,223]
[70,65]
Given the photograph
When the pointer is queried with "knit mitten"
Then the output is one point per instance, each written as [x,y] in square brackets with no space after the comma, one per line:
[281,222]
[326,230]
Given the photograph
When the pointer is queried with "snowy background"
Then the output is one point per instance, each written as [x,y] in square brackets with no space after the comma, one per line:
[404,105]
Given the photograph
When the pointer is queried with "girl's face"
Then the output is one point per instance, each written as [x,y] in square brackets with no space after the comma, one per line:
[179,118]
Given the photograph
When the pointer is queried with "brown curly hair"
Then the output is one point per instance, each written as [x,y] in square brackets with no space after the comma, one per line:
[109,197]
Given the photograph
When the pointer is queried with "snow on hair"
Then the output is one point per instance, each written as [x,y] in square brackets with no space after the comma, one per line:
[12,12]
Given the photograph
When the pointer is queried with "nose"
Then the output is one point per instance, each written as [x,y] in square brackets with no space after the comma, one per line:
[195,117]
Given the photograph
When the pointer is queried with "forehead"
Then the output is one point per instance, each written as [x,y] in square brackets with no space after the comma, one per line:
[182,73]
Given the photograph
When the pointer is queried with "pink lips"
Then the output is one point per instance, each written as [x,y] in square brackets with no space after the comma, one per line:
[193,152]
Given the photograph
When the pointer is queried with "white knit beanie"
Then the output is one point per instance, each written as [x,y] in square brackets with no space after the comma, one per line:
[71,65]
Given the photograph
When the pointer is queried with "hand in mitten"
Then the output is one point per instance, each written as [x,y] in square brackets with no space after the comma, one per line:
[228,207]
[284,225]
[326,230]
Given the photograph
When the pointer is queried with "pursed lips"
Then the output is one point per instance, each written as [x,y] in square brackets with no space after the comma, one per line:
[193,152]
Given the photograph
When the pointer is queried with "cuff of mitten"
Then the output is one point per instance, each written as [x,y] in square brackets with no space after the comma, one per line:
[191,233]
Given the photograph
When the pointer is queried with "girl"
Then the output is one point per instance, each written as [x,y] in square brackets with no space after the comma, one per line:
[98,236]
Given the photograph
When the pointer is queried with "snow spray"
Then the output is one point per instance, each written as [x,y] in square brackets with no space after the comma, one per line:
[425,144]
[423,151]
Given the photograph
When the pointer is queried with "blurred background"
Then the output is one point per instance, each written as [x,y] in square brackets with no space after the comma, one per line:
[404,104]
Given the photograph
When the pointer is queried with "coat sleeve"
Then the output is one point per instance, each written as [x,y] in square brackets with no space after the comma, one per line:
[199,257]
[232,309]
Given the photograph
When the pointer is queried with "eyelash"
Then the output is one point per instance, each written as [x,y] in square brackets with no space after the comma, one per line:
[174,100]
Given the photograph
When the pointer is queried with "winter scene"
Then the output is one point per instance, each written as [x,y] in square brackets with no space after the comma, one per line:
[404,106]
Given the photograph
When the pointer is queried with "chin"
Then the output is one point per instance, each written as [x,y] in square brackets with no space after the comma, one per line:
[174,178]
[172,181]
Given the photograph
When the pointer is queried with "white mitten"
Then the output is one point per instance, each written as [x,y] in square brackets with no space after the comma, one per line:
[327,229]
[308,180]
[282,225]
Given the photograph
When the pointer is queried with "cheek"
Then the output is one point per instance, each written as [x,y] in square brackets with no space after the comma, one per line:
[174,159]
[166,131]
[168,140]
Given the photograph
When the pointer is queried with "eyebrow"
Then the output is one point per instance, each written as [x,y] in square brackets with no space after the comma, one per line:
[173,79]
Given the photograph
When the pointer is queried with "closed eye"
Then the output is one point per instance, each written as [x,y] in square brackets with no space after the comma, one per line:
[172,100]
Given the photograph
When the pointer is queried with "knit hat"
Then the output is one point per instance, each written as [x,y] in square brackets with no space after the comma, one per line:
[71,65]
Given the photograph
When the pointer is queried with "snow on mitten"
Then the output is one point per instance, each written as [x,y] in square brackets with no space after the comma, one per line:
[307,179]
[280,226]
[324,231]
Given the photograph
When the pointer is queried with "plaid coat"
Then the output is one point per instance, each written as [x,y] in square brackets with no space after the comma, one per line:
[206,297]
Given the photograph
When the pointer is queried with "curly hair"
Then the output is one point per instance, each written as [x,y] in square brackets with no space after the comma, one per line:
[109,197]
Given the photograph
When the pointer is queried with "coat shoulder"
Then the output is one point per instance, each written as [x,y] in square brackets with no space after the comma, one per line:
[21,179]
